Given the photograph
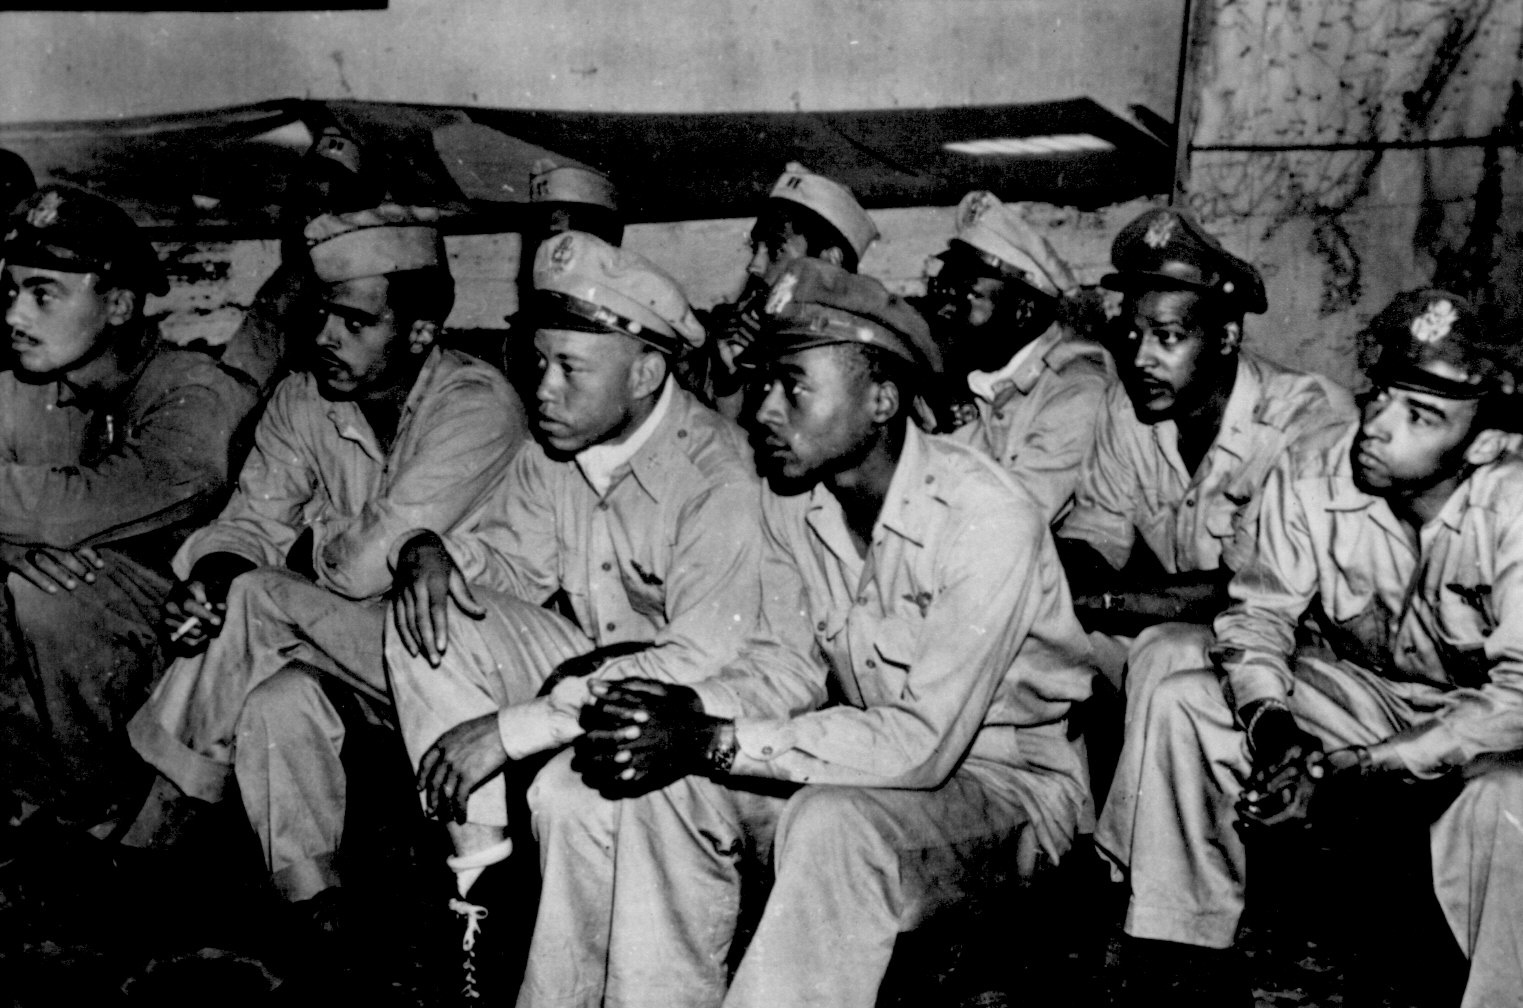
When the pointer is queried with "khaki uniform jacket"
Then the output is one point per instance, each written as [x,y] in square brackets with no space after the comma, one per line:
[669,554]
[316,464]
[954,639]
[1041,429]
[1445,611]
[1135,485]
[151,462]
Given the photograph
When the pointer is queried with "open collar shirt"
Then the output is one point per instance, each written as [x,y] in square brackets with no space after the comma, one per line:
[1443,609]
[1135,484]
[668,554]
[1036,416]
[316,464]
[949,638]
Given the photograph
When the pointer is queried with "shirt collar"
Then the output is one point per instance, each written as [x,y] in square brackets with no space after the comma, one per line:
[349,420]
[1023,369]
[601,462]
[915,486]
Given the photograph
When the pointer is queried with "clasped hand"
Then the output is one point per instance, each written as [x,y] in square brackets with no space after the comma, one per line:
[642,735]
[1289,766]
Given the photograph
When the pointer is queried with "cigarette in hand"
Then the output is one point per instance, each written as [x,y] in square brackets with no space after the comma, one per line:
[191,623]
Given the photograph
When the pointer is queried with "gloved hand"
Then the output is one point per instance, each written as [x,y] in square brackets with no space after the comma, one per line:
[642,735]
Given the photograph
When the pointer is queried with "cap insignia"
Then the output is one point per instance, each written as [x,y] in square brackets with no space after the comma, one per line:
[46,211]
[1435,323]
[1160,232]
[563,253]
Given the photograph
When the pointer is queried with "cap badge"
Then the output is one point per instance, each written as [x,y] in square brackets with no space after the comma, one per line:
[975,209]
[563,253]
[46,211]
[1160,232]
[1435,323]
[782,294]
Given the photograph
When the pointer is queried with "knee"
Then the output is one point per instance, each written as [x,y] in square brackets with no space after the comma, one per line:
[831,830]
[1163,649]
[287,704]
[1492,797]
[257,589]
[1178,698]
[558,796]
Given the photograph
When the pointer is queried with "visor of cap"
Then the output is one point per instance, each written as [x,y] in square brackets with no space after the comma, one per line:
[639,298]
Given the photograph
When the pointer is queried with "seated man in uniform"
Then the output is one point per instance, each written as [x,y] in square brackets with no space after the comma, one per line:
[113,445]
[1182,446]
[805,215]
[637,504]
[906,575]
[1397,537]
[280,599]
[993,300]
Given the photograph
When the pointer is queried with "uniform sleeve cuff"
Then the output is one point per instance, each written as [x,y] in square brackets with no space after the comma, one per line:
[717,701]
[534,727]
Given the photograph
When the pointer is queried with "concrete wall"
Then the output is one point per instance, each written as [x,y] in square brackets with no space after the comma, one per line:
[646,55]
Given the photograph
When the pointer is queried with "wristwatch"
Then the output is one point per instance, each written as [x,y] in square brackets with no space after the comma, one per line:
[722,750]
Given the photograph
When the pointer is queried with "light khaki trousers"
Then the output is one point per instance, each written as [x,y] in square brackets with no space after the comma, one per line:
[251,707]
[1169,819]
[641,896]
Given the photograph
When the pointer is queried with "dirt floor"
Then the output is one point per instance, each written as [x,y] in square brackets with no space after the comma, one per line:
[85,923]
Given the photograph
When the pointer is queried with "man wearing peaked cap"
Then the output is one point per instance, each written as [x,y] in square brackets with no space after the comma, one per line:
[281,599]
[1182,445]
[1397,532]
[805,215]
[994,299]
[115,445]
[884,546]
[640,506]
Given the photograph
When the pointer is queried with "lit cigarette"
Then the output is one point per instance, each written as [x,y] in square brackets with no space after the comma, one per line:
[190,624]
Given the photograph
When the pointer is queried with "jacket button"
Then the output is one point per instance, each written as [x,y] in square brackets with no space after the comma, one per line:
[607,566]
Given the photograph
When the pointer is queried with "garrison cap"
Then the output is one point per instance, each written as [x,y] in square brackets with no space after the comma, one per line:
[831,200]
[816,303]
[386,239]
[1167,249]
[1433,341]
[583,283]
[333,144]
[551,182]
[999,236]
[72,230]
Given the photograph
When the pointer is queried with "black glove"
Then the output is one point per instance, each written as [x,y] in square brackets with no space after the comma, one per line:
[643,735]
